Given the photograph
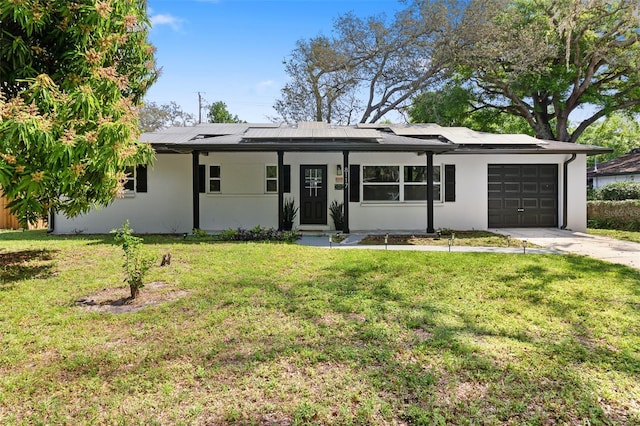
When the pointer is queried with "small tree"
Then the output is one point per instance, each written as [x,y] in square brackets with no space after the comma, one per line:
[136,261]
[218,113]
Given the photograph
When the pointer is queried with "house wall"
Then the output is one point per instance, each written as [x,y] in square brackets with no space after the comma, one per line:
[600,181]
[165,208]
[244,202]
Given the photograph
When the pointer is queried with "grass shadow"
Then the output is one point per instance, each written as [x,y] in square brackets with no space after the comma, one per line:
[24,265]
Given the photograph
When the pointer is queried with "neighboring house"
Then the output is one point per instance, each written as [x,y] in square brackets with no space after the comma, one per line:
[621,169]
[389,177]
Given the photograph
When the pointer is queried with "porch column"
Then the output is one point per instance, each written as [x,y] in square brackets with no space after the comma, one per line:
[280,189]
[430,229]
[345,190]
[195,170]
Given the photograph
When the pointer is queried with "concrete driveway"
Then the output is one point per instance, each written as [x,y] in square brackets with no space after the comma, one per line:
[609,249]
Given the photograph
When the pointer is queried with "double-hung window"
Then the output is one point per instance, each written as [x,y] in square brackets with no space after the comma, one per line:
[399,184]
[214,179]
[271,178]
[381,183]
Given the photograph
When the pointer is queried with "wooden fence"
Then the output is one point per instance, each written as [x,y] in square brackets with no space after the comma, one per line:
[9,221]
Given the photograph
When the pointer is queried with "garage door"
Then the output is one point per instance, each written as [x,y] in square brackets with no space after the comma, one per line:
[523,195]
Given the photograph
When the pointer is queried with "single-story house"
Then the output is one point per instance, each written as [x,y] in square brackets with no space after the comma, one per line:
[419,177]
[621,169]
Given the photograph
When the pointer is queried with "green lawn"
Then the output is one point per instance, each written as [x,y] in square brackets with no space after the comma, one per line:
[619,235]
[283,334]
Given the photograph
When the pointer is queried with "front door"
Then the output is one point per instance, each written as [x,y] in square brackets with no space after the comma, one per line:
[313,195]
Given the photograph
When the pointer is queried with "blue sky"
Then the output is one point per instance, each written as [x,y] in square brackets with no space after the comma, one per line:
[232,50]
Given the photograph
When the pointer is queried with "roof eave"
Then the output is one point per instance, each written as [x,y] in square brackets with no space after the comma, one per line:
[304,147]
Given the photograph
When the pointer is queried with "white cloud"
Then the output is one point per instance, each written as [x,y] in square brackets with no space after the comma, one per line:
[166,19]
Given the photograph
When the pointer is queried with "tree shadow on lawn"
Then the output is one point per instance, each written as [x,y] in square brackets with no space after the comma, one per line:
[24,265]
[426,369]
[464,380]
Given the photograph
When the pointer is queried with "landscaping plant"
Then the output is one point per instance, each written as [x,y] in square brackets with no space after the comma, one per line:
[337,214]
[136,261]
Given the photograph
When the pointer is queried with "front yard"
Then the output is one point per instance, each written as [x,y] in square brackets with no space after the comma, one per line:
[281,334]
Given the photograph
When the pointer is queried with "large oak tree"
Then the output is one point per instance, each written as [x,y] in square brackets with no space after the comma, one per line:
[544,60]
[73,73]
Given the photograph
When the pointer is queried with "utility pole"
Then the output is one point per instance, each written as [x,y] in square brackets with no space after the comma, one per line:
[200,107]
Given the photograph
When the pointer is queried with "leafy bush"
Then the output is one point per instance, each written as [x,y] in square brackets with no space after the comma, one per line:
[259,234]
[619,191]
[136,261]
[621,215]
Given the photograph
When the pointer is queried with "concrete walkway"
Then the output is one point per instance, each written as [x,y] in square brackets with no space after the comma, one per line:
[603,248]
[551,241]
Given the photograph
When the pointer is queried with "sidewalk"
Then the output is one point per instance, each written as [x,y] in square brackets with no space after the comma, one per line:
[353,242]
[551,241]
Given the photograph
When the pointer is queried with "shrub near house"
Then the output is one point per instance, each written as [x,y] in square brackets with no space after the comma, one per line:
[615,206]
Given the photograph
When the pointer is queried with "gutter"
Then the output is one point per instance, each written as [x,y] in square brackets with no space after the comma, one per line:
[565,189]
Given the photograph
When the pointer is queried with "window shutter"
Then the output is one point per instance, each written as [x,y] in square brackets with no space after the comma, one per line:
[449,182]
[354,183]
[202,178]
[141,179]
[286,178]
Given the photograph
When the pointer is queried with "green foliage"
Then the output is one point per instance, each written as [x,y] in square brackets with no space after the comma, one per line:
[618,191]
[289,212]
[336,211]
[542,60]
[199,233]
[136,261]
[259,233]
[620,132]
[218,113]
[72,75]
[454,106]
[620,215]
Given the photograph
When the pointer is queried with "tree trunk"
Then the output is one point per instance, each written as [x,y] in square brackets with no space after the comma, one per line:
[135,290]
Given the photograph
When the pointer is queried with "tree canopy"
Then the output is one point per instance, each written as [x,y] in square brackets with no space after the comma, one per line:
[537,62]
[218,113]
[452,106]
[620,132]
[542,60]
[155,117]
[73,73]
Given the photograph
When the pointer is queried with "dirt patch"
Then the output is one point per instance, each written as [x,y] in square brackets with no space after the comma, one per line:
[117,300]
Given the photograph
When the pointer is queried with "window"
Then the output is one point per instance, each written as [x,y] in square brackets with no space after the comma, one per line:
[386,183]
[381,183]
[130,184]
[136,179]
[271,178]
[214,178]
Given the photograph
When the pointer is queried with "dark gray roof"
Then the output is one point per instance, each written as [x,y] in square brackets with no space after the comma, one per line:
[317,136]
[624,165]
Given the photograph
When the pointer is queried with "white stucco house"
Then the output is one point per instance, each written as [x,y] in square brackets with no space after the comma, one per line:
[621,169]
[389,177]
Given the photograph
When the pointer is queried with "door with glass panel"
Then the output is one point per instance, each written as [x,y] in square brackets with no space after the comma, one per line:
[313,195]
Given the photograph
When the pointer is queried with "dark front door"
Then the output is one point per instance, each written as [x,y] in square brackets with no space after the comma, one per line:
[523,195]
[313,195]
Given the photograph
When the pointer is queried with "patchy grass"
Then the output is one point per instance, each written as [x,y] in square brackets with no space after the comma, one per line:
[619,235]
[283,334]
[460,238]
